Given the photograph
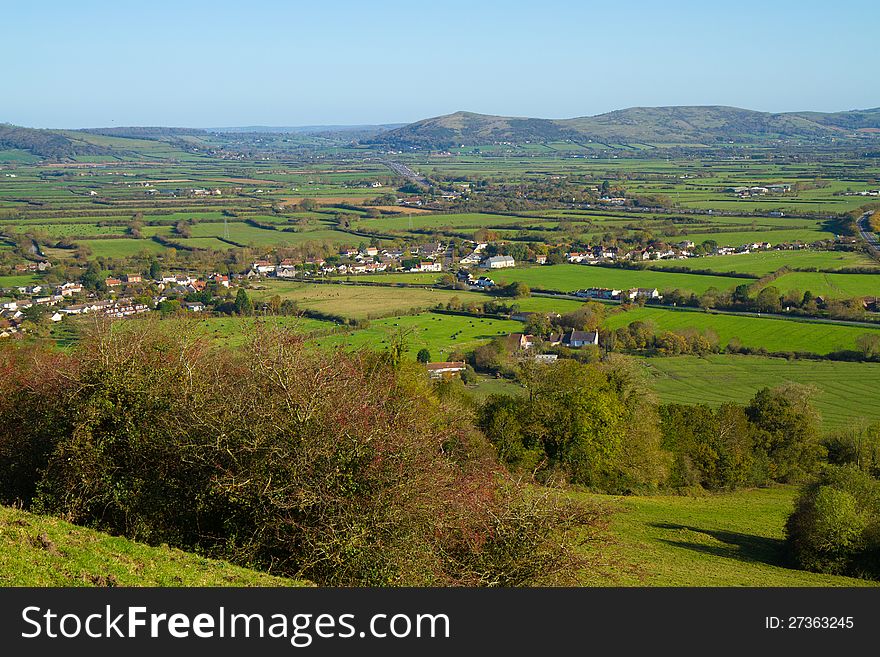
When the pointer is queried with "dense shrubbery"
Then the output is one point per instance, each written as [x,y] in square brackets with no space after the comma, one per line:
[594,425]
[344,469]
[835,527]
[773,438]
[597,425]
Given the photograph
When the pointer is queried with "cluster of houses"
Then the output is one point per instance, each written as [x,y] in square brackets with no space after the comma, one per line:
[757,190]
[433,257]
[679,251]
[12,312]
[481,283]
[610,294]
[57,299]
[572,339]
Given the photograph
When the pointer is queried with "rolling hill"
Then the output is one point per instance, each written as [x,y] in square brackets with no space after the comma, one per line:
[653,125]
[50,144]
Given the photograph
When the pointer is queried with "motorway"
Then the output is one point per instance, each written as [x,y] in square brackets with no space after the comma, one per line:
[867,235]
[406,172]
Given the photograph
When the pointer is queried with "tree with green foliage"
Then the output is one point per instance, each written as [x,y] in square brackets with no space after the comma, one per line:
[834,527]
[590,425]
[424,356]
[92,279]
[787,430]
[243,303]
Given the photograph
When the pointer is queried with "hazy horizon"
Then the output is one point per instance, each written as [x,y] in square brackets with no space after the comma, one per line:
[220,64]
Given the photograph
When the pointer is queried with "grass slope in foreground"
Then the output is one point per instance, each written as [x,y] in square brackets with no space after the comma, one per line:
[44,551]
[731,539]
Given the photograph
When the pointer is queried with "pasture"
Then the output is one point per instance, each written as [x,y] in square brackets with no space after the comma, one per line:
[832,286]
[844,390]
[760,263]
[774,335]
[362,302]
[440,334]
[568,278]
[723,539]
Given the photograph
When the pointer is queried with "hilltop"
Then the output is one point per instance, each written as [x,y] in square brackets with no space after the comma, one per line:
[44,551]
[690,125]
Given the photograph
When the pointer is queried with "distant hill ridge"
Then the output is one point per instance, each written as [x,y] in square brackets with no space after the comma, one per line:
[658,126]
[652,125]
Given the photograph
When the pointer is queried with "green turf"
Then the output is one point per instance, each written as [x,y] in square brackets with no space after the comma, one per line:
[765,262]
[440,334]
[121,248]
[775,335]
[18,280]
[832,286]
[732,539]
[845,391]
[359,301]
[45,551]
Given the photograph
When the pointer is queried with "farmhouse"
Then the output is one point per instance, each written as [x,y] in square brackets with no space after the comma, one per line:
[262,267]
[498,262]
[577,339]
[193,306]
[429,265]
[471,259]
[445,370]
[598,293]
[643,293]
[520,341]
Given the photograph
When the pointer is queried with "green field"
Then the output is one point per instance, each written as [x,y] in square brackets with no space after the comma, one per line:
[731,539]
[44,551]
[568,278]
[360,301]
[439,334]
[440,221]
[234,331]
[833,286]
[18,280]
[121,248]
[846,391]
[738,238]
[765,262]
[775,335]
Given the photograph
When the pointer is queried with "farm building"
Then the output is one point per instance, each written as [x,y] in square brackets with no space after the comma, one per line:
[577,339]
[445,370]
[498,262]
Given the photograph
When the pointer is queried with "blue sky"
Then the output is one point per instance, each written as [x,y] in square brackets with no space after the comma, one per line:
[208,64]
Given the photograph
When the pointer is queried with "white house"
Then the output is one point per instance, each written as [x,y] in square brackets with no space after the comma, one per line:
[577,339]
[430,265]
[498,262]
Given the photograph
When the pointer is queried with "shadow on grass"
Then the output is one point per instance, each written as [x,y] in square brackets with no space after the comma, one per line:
[734,545]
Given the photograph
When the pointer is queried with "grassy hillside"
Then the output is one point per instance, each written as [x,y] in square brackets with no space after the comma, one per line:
[731,539]
[44,551]
[639,125]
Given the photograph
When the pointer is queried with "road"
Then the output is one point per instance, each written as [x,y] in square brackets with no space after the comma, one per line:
[406,172]
[867,235]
